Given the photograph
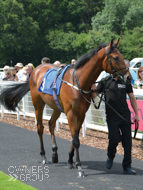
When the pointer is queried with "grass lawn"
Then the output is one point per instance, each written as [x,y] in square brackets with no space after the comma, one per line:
[12,185]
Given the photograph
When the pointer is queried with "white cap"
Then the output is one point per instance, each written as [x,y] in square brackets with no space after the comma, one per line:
[6,67]
[19,65]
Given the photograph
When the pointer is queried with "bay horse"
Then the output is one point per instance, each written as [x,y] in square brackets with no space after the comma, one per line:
[72,98]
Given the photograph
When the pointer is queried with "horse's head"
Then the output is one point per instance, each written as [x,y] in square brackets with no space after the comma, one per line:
[114,63]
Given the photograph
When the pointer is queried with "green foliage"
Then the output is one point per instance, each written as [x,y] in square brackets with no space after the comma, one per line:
[119,15]
[66,29]
[70,44]
[25,26]
[119,18]
[97,37]
[18,32]
[131,44]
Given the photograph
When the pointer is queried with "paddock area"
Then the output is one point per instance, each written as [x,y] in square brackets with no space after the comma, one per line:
[19,156]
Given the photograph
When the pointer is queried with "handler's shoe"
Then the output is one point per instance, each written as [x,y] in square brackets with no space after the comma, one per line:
[109,163]
[129,171]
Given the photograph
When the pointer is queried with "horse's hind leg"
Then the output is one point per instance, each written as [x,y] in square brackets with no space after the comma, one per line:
[52,124]
[39,106]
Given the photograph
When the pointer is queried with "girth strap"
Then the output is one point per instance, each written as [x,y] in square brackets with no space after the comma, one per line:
[59,70]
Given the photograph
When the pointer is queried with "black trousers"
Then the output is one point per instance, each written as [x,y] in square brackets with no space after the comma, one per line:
[120,130]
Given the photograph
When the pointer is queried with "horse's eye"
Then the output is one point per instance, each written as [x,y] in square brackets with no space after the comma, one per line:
[116,58]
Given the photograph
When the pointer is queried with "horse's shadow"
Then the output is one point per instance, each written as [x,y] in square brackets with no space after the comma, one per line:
[100,166]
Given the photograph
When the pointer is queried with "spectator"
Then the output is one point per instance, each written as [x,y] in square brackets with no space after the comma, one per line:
[133,73]
[57,63]
[12,74]
[25,75]
[4,75]
[73,61]
[20,75]
[29,71]
[139,81]
[31,65]
[45,60]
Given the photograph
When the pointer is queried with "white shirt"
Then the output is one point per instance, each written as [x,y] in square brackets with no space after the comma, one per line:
[2,75]
[20,76]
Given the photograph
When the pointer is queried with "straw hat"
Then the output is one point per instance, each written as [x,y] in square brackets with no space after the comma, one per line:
[19,65]
[6,68]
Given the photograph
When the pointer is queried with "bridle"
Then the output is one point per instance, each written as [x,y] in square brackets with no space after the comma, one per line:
[115,72]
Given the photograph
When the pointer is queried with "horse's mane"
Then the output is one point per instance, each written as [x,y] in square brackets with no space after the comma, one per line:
[86,57]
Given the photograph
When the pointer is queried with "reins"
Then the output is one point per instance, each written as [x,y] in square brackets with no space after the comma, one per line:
[101,97]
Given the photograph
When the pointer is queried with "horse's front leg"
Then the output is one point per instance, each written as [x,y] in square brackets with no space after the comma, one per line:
[75,125]
[52,124]
[71,155]
[76,145]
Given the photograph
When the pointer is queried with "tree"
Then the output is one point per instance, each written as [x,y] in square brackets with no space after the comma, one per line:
[26,28]
[18,33]
[119,15]
[71,45]
[131,44]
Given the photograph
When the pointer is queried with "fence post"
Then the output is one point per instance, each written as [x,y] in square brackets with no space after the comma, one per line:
[18,112]
[61,117]
[23,100]
[84,127]
[35,120]
[57,124]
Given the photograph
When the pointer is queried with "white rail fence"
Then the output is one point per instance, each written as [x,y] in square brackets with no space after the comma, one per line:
[95,119]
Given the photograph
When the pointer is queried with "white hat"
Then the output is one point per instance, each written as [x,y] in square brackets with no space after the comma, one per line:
[19,65]
[6,67]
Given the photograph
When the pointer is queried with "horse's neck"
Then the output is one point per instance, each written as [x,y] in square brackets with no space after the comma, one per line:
[88,74]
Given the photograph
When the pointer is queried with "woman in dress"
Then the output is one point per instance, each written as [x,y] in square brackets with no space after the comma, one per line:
[139,81]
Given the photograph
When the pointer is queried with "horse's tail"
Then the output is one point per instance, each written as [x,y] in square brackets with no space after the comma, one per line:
[11,96]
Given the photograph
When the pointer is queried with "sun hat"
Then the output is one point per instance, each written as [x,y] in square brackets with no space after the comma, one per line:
[19,65]
[6,68]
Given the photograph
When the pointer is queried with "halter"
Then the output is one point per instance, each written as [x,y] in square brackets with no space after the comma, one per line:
[111,65]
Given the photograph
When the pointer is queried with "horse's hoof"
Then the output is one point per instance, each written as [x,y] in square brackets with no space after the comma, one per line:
[45,162]
[70,165]
[55,158]
[81,174]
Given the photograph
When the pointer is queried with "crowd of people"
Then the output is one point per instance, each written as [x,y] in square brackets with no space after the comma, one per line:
[18,73]
[22,73]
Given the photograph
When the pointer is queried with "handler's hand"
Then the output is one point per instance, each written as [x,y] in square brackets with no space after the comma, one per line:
[136,118]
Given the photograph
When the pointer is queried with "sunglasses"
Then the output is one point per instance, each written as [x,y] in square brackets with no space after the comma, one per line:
[141,71]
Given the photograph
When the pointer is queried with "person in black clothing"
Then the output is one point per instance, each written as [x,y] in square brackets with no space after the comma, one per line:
[119,129]
[45,60]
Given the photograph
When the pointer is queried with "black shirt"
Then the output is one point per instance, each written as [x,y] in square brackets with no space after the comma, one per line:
[115,95]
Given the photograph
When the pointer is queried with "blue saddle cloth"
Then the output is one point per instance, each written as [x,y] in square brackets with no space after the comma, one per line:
[48,79]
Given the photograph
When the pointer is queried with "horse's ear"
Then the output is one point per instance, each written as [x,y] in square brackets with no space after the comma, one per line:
[117,42]
[111,43]
[109,46]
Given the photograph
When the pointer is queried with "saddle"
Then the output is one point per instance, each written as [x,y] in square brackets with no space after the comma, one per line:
[51,82]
